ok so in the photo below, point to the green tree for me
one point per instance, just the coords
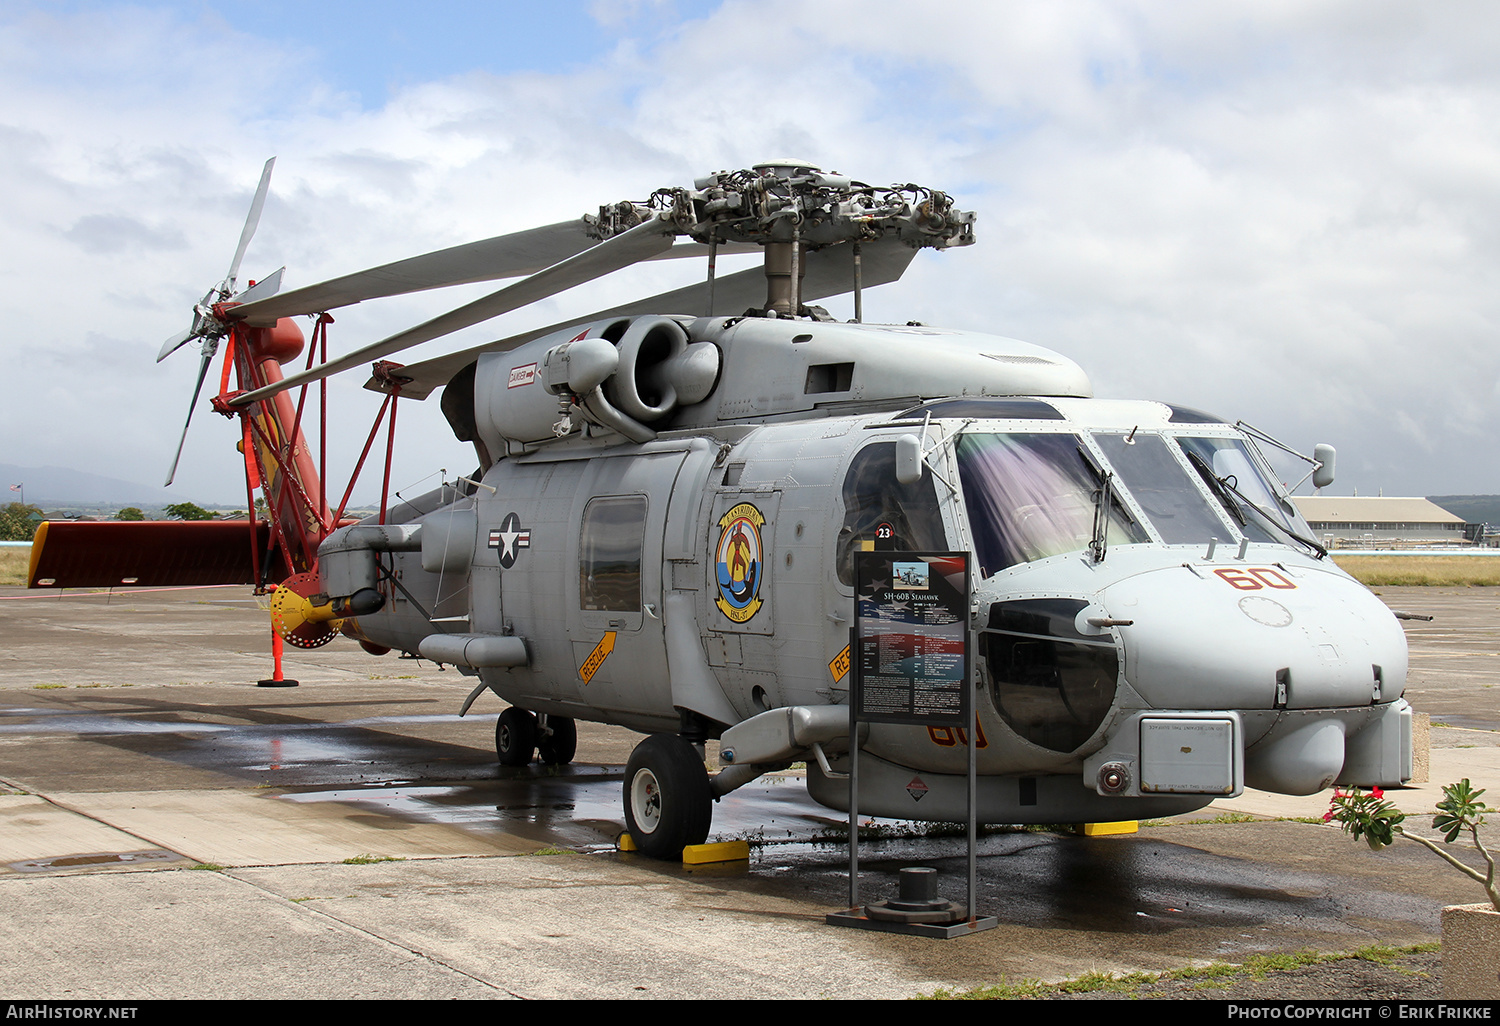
(130, 513)
(18, 521)
(188, 511)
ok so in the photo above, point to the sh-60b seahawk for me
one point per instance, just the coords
(669, 495)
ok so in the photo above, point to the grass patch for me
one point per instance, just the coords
(1219, 975)
(47, 687)
(13, 566)
(1228, 817)
(552, 851)
(212, 867)
(370, 860)
(996, 992)
(1255, 967)
(1405, 571)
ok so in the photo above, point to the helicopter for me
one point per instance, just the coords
(670, 496)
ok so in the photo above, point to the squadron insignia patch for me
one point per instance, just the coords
(739, 562)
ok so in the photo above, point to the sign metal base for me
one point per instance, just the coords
(855, 918)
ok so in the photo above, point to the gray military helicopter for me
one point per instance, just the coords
(661, 530)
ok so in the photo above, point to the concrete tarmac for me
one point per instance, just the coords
(169, 830)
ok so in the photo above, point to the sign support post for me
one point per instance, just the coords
(909, 650)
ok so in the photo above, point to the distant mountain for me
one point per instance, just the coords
(1475, 509)
(58, 486)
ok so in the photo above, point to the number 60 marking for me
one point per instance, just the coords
(1255, 578)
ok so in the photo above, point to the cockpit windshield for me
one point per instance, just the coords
(1162, 487)
(1030, 496)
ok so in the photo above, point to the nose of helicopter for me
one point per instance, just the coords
(1255, 637)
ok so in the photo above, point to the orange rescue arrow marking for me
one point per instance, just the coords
(840, 665)
(597, 656)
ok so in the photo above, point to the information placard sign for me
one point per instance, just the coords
(911, 637)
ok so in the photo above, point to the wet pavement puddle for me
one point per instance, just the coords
(1135, 884)
(581, 805)
(94, 860)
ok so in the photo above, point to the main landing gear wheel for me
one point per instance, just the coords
(557, 741)
(668, 800)
(515, 737)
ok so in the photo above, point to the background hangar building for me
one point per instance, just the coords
(1367, 521)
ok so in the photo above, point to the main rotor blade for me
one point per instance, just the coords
(253, 220)
(208, 355)
(830, 272)
(639, 243)
(504, 256)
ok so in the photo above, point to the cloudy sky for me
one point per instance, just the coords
(1286, 212)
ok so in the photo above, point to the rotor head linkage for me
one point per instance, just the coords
(784, 203)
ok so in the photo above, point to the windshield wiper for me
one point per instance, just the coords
(1220, 486)
(1099, 544)
(1216, 486)
(1104, 499)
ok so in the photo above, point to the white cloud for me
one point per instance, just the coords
(1283, 211)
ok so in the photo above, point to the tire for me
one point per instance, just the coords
(668, 801)
(515, 737)
(558, 748)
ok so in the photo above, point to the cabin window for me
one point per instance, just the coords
(609, 554)
(1030, 496)
(882, 513)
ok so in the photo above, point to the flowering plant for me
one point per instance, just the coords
(1369, 815)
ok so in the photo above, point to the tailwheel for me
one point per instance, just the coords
(557, 740)
(298, 620)
(515, 737)
(668, 800)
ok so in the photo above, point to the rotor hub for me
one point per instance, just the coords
(299, 620)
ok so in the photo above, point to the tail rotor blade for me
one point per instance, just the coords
(173, 344)
(263, 289)
(253, 220)
(208, 355)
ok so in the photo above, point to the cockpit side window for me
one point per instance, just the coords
(1228, 460)
(882, 513)
(1030, 496)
